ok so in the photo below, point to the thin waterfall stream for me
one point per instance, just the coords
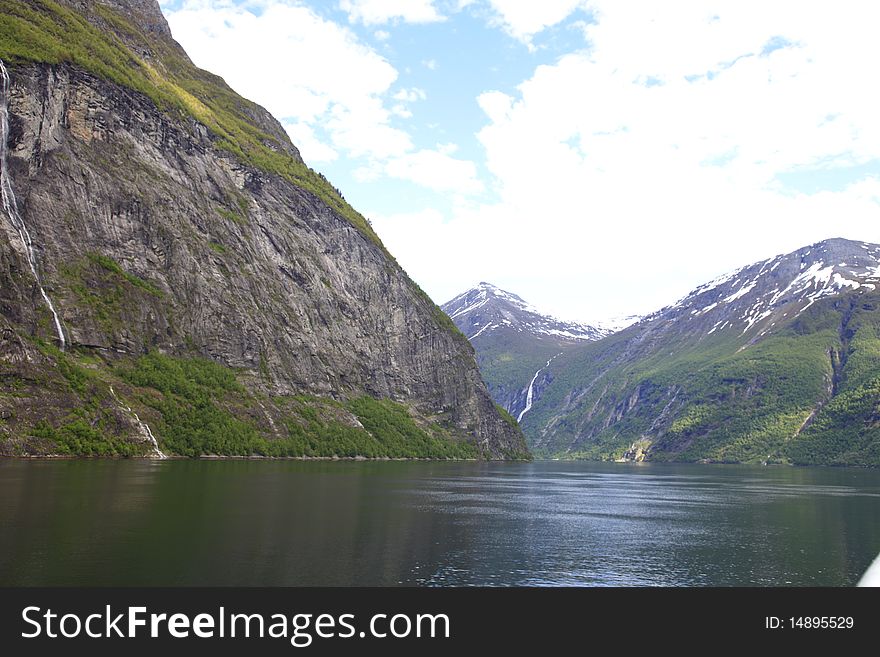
(10, 205)
(530, 395)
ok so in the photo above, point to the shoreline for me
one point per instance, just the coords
(216, 457)
(237, 457)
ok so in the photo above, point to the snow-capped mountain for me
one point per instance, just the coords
(753, 299)
(515, 342)
(485, 309)
(778, 361)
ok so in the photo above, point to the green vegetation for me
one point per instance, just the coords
(398, 435)
(847, 429)
(107, 293)
(197, 407)
(78, 379)
(110, 265)
(510, 358)
(507, 417)
(194, 419)
(203, 409)
(231, 215)
(721, 399)
(79, 438)
(45, 31)
(87, 430)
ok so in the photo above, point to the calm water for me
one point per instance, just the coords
(344, 523)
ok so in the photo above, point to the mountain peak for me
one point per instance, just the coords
(766, 293)
(486, 308)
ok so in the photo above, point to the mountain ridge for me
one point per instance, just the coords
(508, 309)
(756, 365)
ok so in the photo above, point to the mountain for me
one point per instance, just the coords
(778, 361)
(175, 280)
(515, 342)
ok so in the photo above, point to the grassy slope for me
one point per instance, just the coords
(727, 403)
(847, 430)
(195, 406)
(509, 359)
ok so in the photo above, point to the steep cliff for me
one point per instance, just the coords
(211, 289)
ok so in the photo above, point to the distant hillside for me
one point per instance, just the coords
(778, 361)
(515, 342)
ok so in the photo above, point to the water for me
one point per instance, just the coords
(422, 523)
(144, 428)
(10, 205)
(531, 388)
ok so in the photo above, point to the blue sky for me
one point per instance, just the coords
(597, 158)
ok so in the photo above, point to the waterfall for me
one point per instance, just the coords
(144, 427)
(10, 206)
(531, 392)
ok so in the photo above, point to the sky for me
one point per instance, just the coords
(599, 158)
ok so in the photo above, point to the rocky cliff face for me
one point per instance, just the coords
(156, 232)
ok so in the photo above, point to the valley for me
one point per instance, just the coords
(775, 362)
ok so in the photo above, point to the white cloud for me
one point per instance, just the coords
(307, 71)
(363, 130)
(377, 12)
(522, 20)
(448, 148)
(630, 173)
(343, 92)
(405, 96)
(410, 95)
(312, 149)
(436, 170)
(625, 174)
(369, 173)
(382, 35)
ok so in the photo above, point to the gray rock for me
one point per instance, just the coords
(238, 265)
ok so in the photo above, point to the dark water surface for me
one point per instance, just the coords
(389, 523)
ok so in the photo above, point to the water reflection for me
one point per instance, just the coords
(345, 523)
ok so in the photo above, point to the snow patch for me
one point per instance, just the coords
(840, 282)
(703, 311)
(741, 292)
(487, 326)
(757, 318)
(467, 309)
